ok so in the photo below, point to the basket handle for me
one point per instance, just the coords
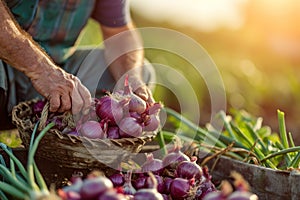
(44, 116)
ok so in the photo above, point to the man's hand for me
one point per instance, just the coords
(64, 91)
(125, 55)
(140, 88)
(145, 93)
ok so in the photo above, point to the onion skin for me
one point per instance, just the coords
(113, 132)
(118, 179)
(71, 195)
(112, 195)
(189, 170)
(217, 195)
(147, 194)
(159, 186)
(171, 160)
(154, 109)
(152, 124)
(137, 104)
(167, 185)
(109, 109)
(180, 189)
(204, 189)
(242, 195)
(129, 127)
(37, 107)
(140, 182)
(165, 196)
(92, 130)
(74, 132)
(136, 115)
(152, 165)
(128, 189)
(93, 187)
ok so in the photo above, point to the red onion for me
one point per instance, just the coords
(167, 184)
(180, 188)
(69, 195)
(136, 115)
(242, 195)
(154, 109)
(58, 123)
(109, 109)
(92, 130)
(216, 195)
(74, 132)
(136, 104)
(113, 132)
(171, 160)
(152, 165)
(165, 196)
(206, 174)
(128, 189)
(112, 195)
(93, 187)
(117, 179)
(37, 107)
(140, 182)
(152, 123)
(129, 127)
(149, 194)
(189, 170)
(204, 189)
(159, 183)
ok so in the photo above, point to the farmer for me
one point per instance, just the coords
(39, 57)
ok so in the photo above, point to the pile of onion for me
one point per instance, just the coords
(155, 181)
(120, 114)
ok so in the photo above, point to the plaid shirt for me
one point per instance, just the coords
(56, 24)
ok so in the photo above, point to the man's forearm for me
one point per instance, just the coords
(124, 52)
(17, 48)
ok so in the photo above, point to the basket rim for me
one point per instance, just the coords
(147, 135)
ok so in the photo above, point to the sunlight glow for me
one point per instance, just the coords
(207, 15)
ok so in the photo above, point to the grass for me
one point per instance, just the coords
(11, 138)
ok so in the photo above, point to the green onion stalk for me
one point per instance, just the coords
(28, 183)
(244, 135)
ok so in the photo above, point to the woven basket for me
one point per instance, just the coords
(75, 151)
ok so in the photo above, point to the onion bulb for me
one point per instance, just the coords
(129, 127)
(94, 187)
(189, 170)
(109, 109)
(92, 130)
(152, 123)
(152, 165)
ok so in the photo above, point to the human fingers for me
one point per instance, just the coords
(145, 93)
(81, 97)
(65, 103)
(86, 97)
(77, 101)
(54, 100)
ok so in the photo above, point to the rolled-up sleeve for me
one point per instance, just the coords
(113, 13)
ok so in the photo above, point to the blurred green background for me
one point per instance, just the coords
(254, 43)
